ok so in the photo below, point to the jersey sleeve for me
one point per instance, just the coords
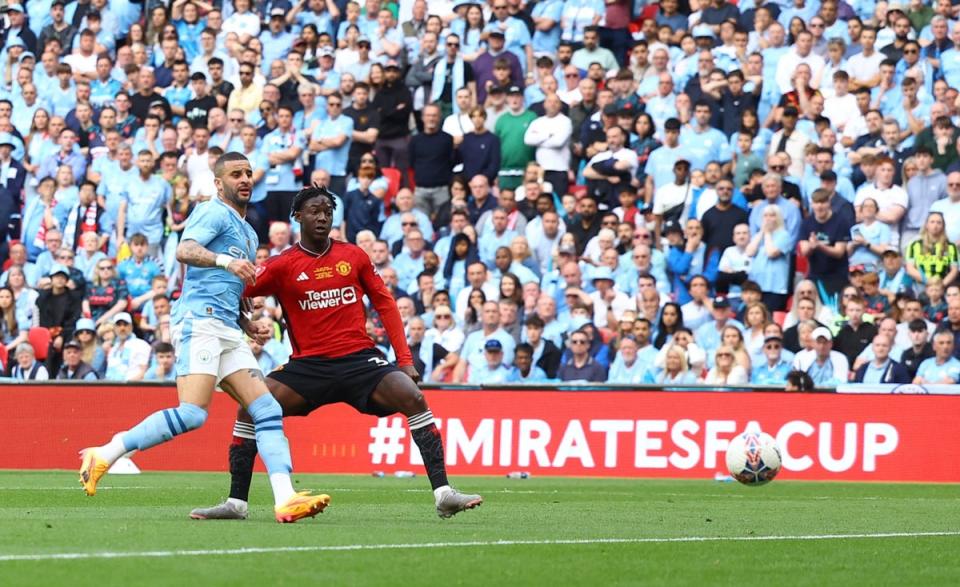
(268, 275)
(386, 306)
(203, 225)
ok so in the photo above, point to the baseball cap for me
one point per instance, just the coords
(567, 250)
(7, 139)
(26, 55)
(16, 42)
(392, 65)
(857, 269)
(703, 30)
(72, 344)
(602, 272)
(326, 52)
(772, 339)
(496, 33)
(493, 345)
(887, 253)
(721, 302)
(85, 324)
(16, 8)
(157, 103)
(514, 90)
(277, 12)
(822, 332)
(58, 268)
(122, 317)
(610, 110)
(672, 226)
(363, 39)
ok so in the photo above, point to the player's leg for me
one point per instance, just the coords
(396, 392)
(248, 387)
(243, 454)
(194, 392)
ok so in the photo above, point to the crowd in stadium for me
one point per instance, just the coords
(558, 190)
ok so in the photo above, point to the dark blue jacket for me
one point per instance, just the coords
(894, 373)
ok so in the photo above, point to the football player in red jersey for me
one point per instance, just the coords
(320, 284)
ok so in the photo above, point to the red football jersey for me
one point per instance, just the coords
(322, 301)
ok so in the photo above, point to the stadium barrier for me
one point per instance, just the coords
(599, 432)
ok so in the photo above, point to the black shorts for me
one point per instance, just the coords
(350, 379)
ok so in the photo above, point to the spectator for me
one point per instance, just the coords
(474, 347)
(73, 366)
(855, 335)
(932, 254)
(882, 369)
(492, 370)
(725, 371)
(581, 367)
(128, 357)
(394, 103)
(774, 369)
(770, 250)
(432, 158)
(524, 371)
(823, 241)
(676, 370)
(943, 367)
(511, 128)
(825, 366)
(480, 149)
(919, 350)
(27, 367)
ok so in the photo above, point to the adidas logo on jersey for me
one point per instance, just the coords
(302, 276)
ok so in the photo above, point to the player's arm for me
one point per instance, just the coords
(386, 306)
(256, 330)
(201, 229)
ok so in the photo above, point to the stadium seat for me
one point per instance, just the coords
(393, 176)
(4, 355)
(779, 318)
(39, 338)
(803, 264)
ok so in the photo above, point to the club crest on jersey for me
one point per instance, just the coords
(323, 273)
(343, 268)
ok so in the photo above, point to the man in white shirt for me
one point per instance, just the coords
(608, 303)
(670, 196)
(950, 207)
(864, 67)
(550, 134)
(841, 107)
(459, 123)
(129, 356)
(801, 53)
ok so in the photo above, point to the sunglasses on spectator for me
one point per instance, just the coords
(443, 316)
(105, 267)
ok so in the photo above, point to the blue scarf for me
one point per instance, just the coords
(440, 74)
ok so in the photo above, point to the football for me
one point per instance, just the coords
(753, 458)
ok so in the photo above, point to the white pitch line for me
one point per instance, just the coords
(472, 544)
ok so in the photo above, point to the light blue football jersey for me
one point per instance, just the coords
(214, 292)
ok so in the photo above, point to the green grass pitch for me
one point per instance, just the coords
(541, 531)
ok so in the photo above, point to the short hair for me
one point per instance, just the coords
(222, 160)
(801, 380)
(309, 193)
(523, 347)
(138, 239)
(535, 321)
(162, 347)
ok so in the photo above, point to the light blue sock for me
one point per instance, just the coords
(161, 426)
(271, 443)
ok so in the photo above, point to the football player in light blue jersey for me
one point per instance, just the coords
(216, 246)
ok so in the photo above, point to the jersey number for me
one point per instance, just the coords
(378, 362)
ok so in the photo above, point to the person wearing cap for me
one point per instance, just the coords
(773, 370)
(276, 40)
(492, 370)
(511, 128)
(59, 310)
(486, 64)
(710, 334)
(827, 367)
(395, 103)
(473, 353)
(73, 367)
(609, 304)
(516, 34)
(18, 29)
(128, 356)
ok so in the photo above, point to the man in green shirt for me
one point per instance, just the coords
(514, 152)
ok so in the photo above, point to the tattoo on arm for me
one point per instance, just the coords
(193, 253)
(256, 374)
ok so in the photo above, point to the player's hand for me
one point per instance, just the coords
(243, 269)
(411, 372)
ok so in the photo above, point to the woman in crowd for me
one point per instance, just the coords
(675, 371)
(106, 294)
(13, 330)
(25, 296)
(463, 252)
(733, 338)
(756, 318)
(471, 319)
(92, 352)
(868, 238)
(671, 318)
(932, 253)
(725, 370)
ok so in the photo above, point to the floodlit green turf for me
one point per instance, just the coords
(46, 513)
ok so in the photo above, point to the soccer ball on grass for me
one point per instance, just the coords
(753, 458)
